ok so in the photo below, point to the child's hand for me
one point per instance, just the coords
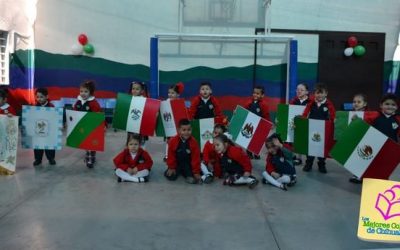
(135, 170)
(171, 172)
(275, 175)
(246, 174)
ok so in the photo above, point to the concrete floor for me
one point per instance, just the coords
(71, 207)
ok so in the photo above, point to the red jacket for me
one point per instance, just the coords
(93, 105)
(263, 107)
(219, 117)
(296, 101)
(211, 156)
(142, 160)
(7, 109)
(237, 154)
(173, 144)
(329, 104)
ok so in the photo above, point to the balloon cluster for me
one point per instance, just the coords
(83, 46)
(354, 47)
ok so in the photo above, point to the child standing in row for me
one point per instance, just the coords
(258, 106)
(42, 100)
(320, 108)
(279, 169)
(88, 103)
(138, 89)
(133, 163)
(388, 122)
(5, 108)
(235, 163)
(206, 106)
(183, 155)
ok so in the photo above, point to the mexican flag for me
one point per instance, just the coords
(85, 130)
(249, 130)
(344, 118)
(285, 117)
(313, 137)
(202, 130)
(366, 152)
(171, 112)
(136, 114)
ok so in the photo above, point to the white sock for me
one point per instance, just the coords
(243, 180)
(127, 177)
(271, 180)
(204, 169)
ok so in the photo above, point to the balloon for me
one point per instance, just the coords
(77, 49)
(88, 48)
(348, 51)
(352, 41)
(359, 50)
(82, 39)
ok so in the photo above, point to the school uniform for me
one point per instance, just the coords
(388, 125)
(320, 111)
(141, 160)
(298, 101)
(259, 108)
(210, 156)
(201, 108)
(6, 109)
(281, 163)
(50, 153)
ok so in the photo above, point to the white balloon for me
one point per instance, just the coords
(348, 51)
(77, 49)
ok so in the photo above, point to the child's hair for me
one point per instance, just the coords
(183, 122)
(134, 136)
(320, 87)
(305, 85)
(178, 88)
(390, 96)
(3, 93)
(142, 86)
(271, 139)
(205, 84)
(363, 96)
(220, 126)
(42, 91)
(224, 139)
(260, 88)
(90, 85)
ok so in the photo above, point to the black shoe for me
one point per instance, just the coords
(322, 169)
(355, 180)
(292, 182)
(165, 159)
(37, 162)
(283, 187)
(251, 156)
(307, 168)
(146, 179)
(253, 184)
(52, 162)
(297, 162)
(257, 157)
(264, 181)
(119, 179)
(89, 164)
(208, 179)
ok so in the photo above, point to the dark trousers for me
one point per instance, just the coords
(310, 161)
(50, 154)
(182, 169)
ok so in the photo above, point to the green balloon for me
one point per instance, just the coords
(88, 48)
(359, 50)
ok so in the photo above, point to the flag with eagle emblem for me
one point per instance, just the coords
(366, 152)
(202, 130)
(249, 130)
(85, 130)
(285, 120)
(344, 118)
(171, 112)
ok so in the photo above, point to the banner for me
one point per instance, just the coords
(8, 143)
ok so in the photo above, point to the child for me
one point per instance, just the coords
(210, 166)
(279, 167)
(183, 155)
(138, 89)
(258, 106)
(133, 163)
(42, 100)
(206, 106)
(388, 122)
(319, 108)
(87, 102)
(235, 163)
(359, 104)
(5, 108)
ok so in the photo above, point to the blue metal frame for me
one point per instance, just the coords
(153, 85)
(292, 69)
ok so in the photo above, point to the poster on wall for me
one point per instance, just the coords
(42, 127)
(8, 144)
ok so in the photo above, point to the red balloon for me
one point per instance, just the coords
(352, 41)
(82, 39)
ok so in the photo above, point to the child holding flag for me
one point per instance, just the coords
(87, 102)
(138, 89)
(388, 122)
(235, 163)
(42, 100)
(133, 163)
(301, 97)
(183, 155)
(279, 169)
(320, 108)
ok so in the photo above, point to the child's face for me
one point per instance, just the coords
(40, 98)
(219, 146)
(205, 91)
(136, 90)
(271, 148)
(358, 103)
(389, 107)
(133, 146)
(320, 95)
(257, 94)
(185, 131)
(217, 131)
(301, 91)
(84, 93)
(172, 94)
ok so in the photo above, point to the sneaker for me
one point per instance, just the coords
(355, 179)
(119, 179)
(253, 183)
(322, 169)
(264, 181)
(52, 162)
(307, 168)
(292, 182)
(146, 179)
(37, 162)
(191, 180)
(283, 187)
(89, 163)
(297, 162)
(208, 179)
